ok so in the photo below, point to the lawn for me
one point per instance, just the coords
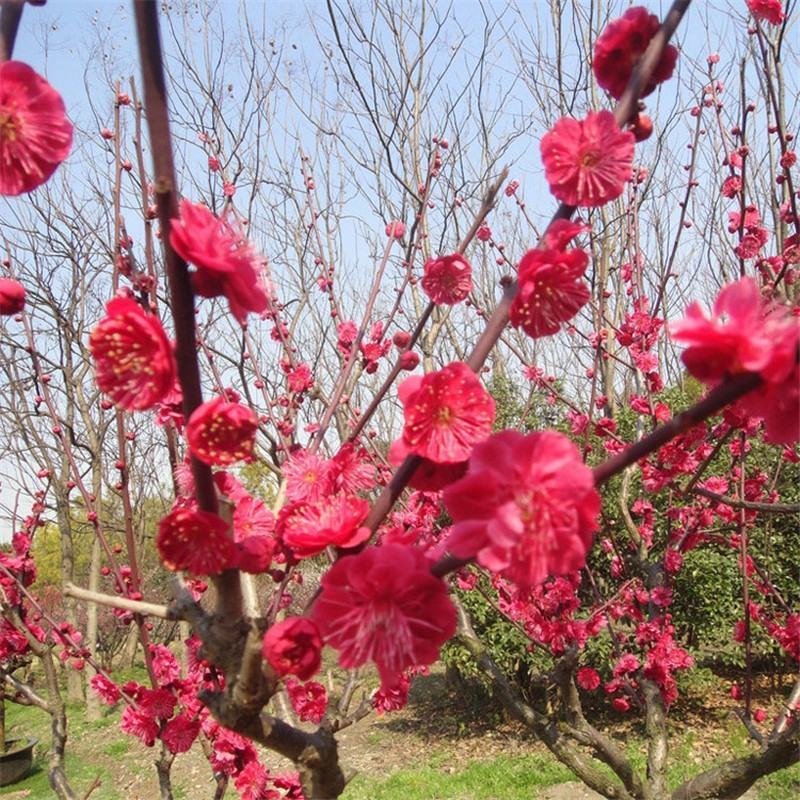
(435, 749)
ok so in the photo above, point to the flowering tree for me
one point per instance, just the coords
(346, 504)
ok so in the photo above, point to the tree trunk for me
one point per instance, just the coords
(58, 729)
(130, 647)
(93, 710)
(74, 678)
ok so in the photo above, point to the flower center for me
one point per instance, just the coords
(590, 158)
(9, 127)
(443, 415)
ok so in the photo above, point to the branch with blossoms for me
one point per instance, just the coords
(524, 506)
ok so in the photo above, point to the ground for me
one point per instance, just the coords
(443, 746)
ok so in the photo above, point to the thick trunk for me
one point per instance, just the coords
(58, 730)
(164, 768)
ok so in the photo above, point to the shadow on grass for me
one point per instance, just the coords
(437, 709)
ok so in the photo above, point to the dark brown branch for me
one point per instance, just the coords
(733, 502)
(314, 753)
(579, 729)
(540, 724)
(733, 778)
(719, 397)
(10, 16)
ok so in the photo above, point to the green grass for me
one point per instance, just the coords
(29, 721)
(503, 778)
(519, 777)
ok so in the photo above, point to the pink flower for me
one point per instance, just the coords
(12, 297)
(588, 678)
(527, 507)
(309, 700)
(293, 647)
(446, 414)
(299, 378)
(621, 45)
(179, 733)
(770, 11)
(139, 724)
(392, 698)
(395, 229)
(226, 263)
(550, 288)
(732, 340)
(350, 470)
(222, 433)
(308, 476)
(196, 541)
(133, 359)
(35, 134)
(743, 334)
(252, 782)
(105, 689)
(383, 605)
(447, 279)
(587, 162)
(308, 528)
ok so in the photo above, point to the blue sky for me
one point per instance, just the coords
(82, 46)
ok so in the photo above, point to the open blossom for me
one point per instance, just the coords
(621, 45)
(140, 724)
(226, 262)
(308, 528)
(383, 605)
(587, 162)
(307, 475)
(196, 541)
(550, 286)
(446, 414)
(12, 297)
(447, 280)
(293, 647)
(745, 334)
(735, 338)
(221, 433)
(309, 700)
(588, 678)
(35, 134)
(179, 733)
(133, 359)
(527, 507)
(770, 11)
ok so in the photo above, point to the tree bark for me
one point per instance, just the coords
(93, 709)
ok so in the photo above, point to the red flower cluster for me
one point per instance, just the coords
(309, 700)
(308, 528)
(221, 433)
(12, 297)
(621, 45)
(527, 507)
(35, 134)
(447, 280)
(745, 334)
(551, 289)
(770, 11)
(196, 541)
(587, 162)
(226, 263)
(293, 647)
(383, 605)
(446, 414)
(133, 359)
